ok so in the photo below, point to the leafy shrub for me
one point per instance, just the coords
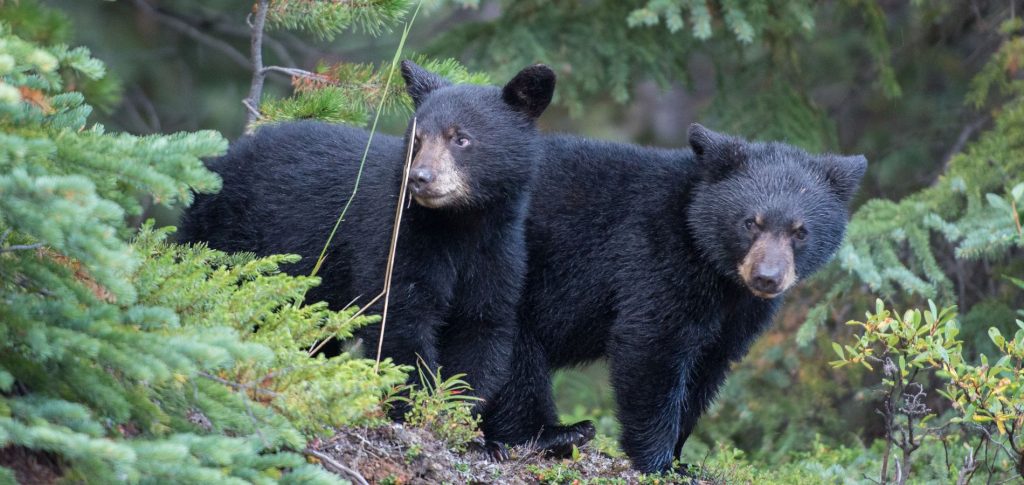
(986, 399)
(443, 406)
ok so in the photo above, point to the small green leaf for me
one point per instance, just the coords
(839, 350)
(997, 337)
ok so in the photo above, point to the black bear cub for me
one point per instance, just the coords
(461, 251)
(667, 262)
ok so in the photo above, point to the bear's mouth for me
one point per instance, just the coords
(761, 294)
(434, 201)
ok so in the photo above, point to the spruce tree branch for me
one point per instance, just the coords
(258, 76)
(336, 467)
(194, 33)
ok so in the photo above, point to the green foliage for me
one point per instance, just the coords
(44, 26)
(327, 18)
(351, 92)
(986, 399)
(562, 35)
(602, 49)
(146, 362)
(443, 406)
(974, 206)
(744, 21)
(208, 288)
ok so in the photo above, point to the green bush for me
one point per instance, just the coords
(146, 362)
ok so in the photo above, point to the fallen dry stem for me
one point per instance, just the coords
(402, 194)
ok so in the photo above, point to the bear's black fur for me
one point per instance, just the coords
(667, 262)
(461, 253)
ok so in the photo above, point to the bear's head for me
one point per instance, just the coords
(474, 144)
(768, 214)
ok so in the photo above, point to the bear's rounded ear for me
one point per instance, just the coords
(531, 90)
(420, 82)
(717, 154)
(844, 173)
(704, 141)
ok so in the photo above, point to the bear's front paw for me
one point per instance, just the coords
(496, 451)
(558, 441)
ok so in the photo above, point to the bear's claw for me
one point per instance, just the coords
(496, 451)
(558, 441)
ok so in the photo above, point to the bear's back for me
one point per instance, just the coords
(280, 182)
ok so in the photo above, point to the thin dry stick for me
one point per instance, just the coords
(336, 466)
(353, 317)
(1016, 216)
(402, 194)
(347, 305)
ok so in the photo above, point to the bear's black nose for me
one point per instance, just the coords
(421, 177)
(767, 279)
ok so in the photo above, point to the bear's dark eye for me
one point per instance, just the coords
(462, 142)
(750, 224)
(800, 234)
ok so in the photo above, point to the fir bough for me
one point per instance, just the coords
(328, 18)
(146, 362)
(974, 206)
(350, 92)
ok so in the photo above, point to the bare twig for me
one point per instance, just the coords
(336, 467)
(967, 469)
(237, 385)
(961, 140)
(194, 33)
(21, 247)
(353, 317)
(256, 422)
(258, 76)
(1016, 217)
(293, 72)
(402, 194)
(148, 108)
(315, 344)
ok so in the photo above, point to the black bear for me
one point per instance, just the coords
(667, 262)
(461, 254)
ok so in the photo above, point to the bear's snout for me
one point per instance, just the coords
(420, 178)
(768, 269)
(435, 180)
